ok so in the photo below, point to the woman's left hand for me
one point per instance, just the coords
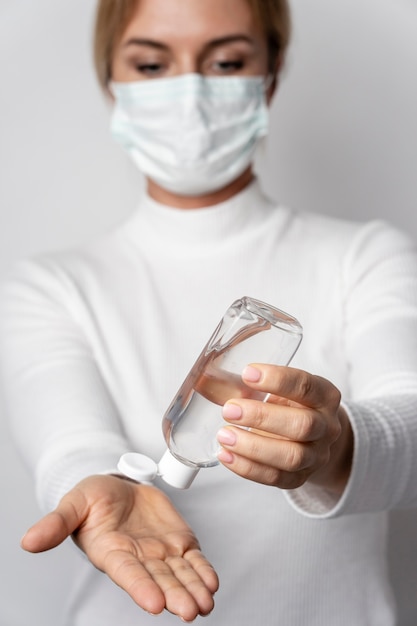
(300, 434)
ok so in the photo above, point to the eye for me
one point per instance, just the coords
(150, 69)
(227, 67)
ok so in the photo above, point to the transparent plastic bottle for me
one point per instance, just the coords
(249, 332)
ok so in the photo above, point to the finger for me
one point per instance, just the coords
(298, 424)
(184, 571)
(294, 384)
(282, 455)
(178, 599)
(128, 573)
(261, 473)
(55, 527)
(204, 569)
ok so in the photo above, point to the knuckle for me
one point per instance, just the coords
(267, 475)
(255, 447)
(336, 430)
(305, 427)
(334, 396)
(272, 477)
(261, 414)
(248, 467)
(305, 384)
(295, 460)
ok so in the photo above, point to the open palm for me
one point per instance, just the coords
(134, 534)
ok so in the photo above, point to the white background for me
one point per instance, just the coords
(343, 142)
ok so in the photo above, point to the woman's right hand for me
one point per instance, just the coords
(133, 533)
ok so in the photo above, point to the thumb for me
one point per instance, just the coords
(56, 526)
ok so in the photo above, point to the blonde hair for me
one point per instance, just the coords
(113, 17)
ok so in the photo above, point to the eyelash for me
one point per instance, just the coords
(153, 69)
(149, 68)
(229, 65)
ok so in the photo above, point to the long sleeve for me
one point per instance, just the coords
(380, 337)
(95, 342)
(62, 416)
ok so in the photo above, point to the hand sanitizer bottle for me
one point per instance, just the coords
(249, 332)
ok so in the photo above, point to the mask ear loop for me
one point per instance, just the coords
(268, 81)
(261, 149)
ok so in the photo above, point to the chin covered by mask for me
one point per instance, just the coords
(191, 134)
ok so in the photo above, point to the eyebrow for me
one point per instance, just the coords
(137, 41)
(214, 43)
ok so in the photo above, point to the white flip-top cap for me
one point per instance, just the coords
(175, 473)
(138, 467)
(143, 469)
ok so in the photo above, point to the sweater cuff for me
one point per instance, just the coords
(316, 502)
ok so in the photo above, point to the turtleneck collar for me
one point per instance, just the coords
(202, 226)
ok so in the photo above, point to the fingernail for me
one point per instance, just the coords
(226, 436)
(251, 374)
(232, 411)
(225, 456)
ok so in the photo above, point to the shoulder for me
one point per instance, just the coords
(73, 261)
(365, 256)
(58, 276)
(352, 240)
(350, 249)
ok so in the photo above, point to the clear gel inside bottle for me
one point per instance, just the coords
(250, 331)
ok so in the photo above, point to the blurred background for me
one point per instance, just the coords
(343, 142)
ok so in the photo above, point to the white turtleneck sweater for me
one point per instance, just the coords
(96, 341)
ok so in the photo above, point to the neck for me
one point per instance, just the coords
(163, 196)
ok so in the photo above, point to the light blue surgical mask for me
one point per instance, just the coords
(191, 134)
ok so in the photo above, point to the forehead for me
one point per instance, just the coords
(169, 20)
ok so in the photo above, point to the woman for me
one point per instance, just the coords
(95, 342)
